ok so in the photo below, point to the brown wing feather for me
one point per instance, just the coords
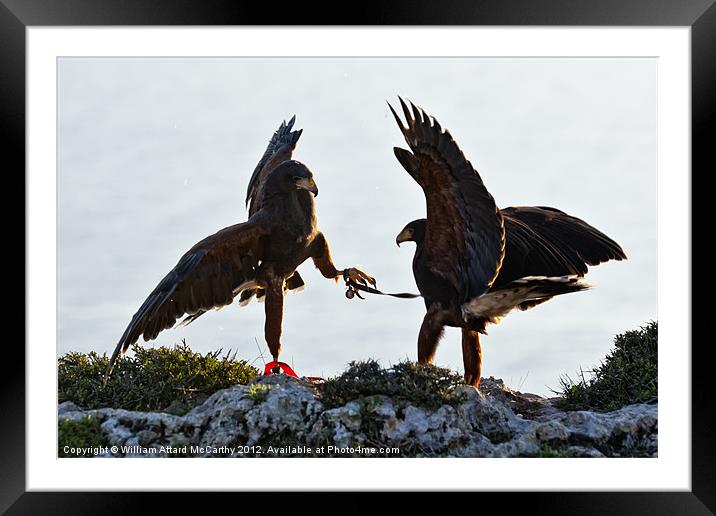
(204, 278)
(465, 235)
(280, 148)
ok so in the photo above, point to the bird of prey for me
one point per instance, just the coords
(261, 253)
(280, 148)
(474, 262)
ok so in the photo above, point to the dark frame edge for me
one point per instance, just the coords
(703, 113)
(702, 499)
(12, 121)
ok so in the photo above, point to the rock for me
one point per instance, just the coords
(282, 416)
(584, 451)
(488, 415)
(340, 426)
(65, 407)
(552, 432)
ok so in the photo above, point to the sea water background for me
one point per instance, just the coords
(155, 154)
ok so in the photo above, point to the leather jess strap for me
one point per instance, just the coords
(282, 366)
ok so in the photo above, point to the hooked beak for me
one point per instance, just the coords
(307, 183)
(403, 236)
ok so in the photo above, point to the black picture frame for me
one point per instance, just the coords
(700, 15)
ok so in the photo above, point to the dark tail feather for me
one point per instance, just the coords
(295, 282)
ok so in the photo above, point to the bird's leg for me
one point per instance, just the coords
(274, 316)
(431, 331)
(471, 356)
(321, 255)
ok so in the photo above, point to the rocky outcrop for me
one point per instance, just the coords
(281, 416)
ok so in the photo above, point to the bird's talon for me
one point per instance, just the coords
(358, 276)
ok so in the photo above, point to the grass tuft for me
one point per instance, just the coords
(153, 379)
(627, 375)
(425, 385)
(78, 435)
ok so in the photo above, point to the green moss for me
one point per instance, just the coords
(75, 435)
(424, 385)
(627, 375)
(549, 451)
(163, 379)
(258, 391)
(553, 452)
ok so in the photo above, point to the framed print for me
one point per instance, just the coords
(537, 143)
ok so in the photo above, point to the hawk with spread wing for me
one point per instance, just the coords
(474, 262)
(257, 257)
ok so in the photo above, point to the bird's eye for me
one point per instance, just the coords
(296, 178)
